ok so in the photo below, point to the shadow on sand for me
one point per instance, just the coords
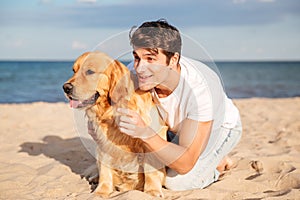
(70, 152)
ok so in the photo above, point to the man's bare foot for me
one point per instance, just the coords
(225, 165)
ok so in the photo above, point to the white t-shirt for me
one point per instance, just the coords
(200, 96)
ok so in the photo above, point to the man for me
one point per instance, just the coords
(204, 123)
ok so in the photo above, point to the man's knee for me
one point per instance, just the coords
(177, 182)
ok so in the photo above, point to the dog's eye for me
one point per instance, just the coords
(89, 72)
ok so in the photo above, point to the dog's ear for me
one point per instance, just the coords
(103, 84)
(121, 85)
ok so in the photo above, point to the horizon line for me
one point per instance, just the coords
(126, 60)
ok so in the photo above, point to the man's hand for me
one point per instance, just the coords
(131, 123)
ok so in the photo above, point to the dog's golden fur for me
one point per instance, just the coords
(100, 85)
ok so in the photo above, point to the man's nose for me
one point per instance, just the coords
(141, 66)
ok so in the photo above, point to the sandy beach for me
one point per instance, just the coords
(42, 155)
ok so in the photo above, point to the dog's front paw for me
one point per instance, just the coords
(91, 174)
(104, 190)
(155, 193)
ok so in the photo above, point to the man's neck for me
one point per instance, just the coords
(165, 89)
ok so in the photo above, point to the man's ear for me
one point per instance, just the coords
(174, 59)
(121, 85)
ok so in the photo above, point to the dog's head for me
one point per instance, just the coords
(97, 78)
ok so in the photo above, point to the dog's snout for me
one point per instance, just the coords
(68, 88)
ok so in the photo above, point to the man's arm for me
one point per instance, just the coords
(193, 138)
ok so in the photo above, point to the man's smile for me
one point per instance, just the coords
(144, 78)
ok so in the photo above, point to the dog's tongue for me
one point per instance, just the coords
(74, 104)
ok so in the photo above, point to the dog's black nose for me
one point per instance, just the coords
(68, 88)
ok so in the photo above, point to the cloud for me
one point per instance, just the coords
(77, 45)
(244, 1)
(267, 1)
(238, 1)
(259, 50)
(87, 1)
(17, 43)
(105, 2)
(45, 2)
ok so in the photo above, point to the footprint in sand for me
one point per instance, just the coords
(287, 179)
(258, 167)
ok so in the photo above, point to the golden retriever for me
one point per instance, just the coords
(100, 85)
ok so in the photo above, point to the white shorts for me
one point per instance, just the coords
(204, 172)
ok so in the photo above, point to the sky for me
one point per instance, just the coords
(225, 29)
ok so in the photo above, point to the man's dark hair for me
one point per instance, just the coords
(157, 34)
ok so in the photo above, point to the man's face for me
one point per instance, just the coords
(151, 68)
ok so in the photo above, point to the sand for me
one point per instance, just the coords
(42, 155)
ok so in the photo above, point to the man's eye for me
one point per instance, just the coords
(150, 59)
(89, 72)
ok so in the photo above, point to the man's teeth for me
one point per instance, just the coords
(143, 77)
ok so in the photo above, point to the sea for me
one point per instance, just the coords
(35, 81)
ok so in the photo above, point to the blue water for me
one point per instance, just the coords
(24, 82)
